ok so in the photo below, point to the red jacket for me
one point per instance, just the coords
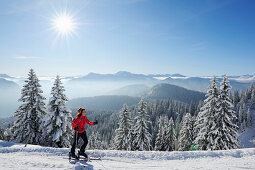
(81, 122)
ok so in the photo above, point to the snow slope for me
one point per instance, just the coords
(16, 156)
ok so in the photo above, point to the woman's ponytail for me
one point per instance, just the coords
(80, 110)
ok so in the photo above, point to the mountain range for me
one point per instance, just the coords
(121, 83)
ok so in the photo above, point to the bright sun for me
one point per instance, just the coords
(64, 25)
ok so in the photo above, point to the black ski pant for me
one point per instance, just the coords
(83, 135)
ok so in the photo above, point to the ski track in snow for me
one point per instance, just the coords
(16, 156)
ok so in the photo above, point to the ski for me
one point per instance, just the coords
(94, 158)
(76, 159)
(91, 158)
(84, 159)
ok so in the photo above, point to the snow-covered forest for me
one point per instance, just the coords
(161, 125)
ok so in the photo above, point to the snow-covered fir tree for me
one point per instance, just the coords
(236, 98)
(29, 115)
(253, 98)
(241, 117)
(244, 116)
(95, 141)
(249, 118)
(159, 143)
(223, 134)
(56, 126)
(123, 136)
(177, 132)
(165, 130)
(142, 136)
(170, 136)
(186, 134)
(245, 107)
(206, 117)
(130, 138)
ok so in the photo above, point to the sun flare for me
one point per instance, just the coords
(64, 24)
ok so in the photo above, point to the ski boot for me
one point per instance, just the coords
(83, 154)
(72, 155)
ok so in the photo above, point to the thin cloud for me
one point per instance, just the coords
(26, 57)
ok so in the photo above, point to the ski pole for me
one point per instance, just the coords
(28, 139)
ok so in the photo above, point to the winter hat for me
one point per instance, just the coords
(80, 111)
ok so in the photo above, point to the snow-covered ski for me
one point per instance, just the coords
(94, 158)
(78, 158)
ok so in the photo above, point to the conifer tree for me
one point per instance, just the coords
(165, 131)
(142, 136)
(236, 98)
(240, 115)
(205, 119)
(186, 134)
(253, 98)
(177, 132)
(170, 136)
(29, 115)
(123, 136)
(130, 138)
(249, 118)
(159, 143)
(223, 134)
(56, 126)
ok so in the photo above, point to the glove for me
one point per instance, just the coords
(76, 128)
(95, 122)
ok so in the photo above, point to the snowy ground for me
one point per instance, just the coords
(16, 156)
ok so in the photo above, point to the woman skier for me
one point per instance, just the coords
(78, 125)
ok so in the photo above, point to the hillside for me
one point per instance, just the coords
(169, 91)
(16, 156)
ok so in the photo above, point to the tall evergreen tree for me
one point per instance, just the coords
(177, 132)
(249, 118)
(142, 136)
(165, 131)
(130, 138)
(223, 134)
(29, 115)
(187, 133)
(123, 136)
(159, 143)
(205, 119)
(170, 136)
(56, 126)
(241, 114)
(244, 112)
(253, 98)
(236, 98)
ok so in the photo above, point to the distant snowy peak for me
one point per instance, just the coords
(119, 76)
(5, 76)
(177, 75)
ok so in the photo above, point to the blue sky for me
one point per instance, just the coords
(190, 37)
